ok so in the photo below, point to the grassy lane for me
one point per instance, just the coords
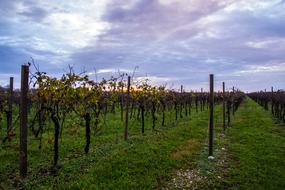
(249, 156)
(258, 148)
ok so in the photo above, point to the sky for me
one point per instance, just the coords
(172, 42)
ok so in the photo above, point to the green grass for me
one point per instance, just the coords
(258, 146)
(250, 155)
(142, 161)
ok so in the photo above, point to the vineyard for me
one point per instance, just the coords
(275, 101)
(53, 128)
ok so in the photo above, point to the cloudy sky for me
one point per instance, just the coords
(171, 41)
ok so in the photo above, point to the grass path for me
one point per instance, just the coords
(249, 156)
(258, 147)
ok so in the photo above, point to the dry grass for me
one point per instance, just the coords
(187, 149)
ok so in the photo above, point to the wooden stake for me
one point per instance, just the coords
(10, 107)
(224, 107)
(127, 108)
(233, 103)
(211, 114)
(272, 94)
(24, 120)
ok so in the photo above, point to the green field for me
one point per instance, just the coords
(249, 155)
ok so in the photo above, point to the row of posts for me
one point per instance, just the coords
(211, 113)
(24, 115)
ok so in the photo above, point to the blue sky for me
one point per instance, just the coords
(172, 42)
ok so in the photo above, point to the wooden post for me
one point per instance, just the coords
(229, 111)
(24, 120)
(127, 108)
(10, 107)
(202, 101)
(142, 114)
(272, 94)
(224, 107)
(211, 114)
(181, 104)
(233, 103)
(122, 104)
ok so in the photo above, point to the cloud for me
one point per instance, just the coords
(146, 33)
(47, 31)
(267, 43)
(36, 14)
(9, 55)
(180, 41)
(250, 69)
